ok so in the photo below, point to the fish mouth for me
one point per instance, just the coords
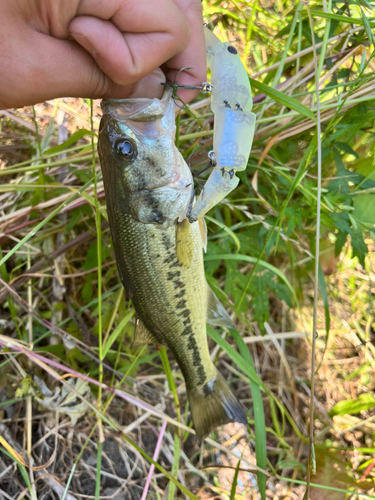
(179, 184)
(137, 108)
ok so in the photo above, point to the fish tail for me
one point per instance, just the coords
(214, 405)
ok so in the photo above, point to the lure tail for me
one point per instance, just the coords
(214, 405)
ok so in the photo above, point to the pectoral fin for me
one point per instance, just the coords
(203, 231)
(184, 243)
(216, 313)
(142, 336)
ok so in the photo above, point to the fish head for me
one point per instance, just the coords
(140, 161)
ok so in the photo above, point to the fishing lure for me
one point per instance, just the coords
(234, 126)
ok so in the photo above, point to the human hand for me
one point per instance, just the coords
(96, 49)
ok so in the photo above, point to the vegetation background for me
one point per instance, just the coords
(90, 413)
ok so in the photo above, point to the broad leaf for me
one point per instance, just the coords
(364, 205)
(351, 406)
(72, 139)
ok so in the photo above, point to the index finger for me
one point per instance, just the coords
(193, 55)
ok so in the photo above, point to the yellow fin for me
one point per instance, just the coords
(216, 313)
(203, 231)
(214, 405)
(143, 336)
(184, 243)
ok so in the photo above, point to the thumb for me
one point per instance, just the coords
(150, 86)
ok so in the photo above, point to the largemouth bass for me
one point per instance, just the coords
(148, 188)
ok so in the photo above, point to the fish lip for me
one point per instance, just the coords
(178, 182)
(130, 100)
(146, 108)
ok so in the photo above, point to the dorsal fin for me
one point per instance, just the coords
(216, 313)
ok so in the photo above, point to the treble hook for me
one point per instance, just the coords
(204, 87)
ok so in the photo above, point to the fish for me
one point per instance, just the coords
(148, 190)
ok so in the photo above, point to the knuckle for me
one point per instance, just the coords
(100, 84)
(132, 74)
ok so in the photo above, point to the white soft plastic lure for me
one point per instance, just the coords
(234, 125)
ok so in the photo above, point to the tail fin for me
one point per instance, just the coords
(214, 405)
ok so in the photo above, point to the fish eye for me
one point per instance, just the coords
(125, 149)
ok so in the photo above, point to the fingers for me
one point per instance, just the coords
(194, 54)
(118, 42)
(129, 39)
(35, 67)
(42, 68)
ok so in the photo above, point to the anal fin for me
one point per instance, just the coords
(216, 313)
(142, 335)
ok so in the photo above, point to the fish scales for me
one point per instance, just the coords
(159, 254)
(173, 312)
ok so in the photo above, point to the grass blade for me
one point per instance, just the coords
(234, 484)
(98, 470)
(21, 467)
(72, 139)
(237, 358)
(283, 99)
(324, 295)
(227, 230)
(341, 19)
(248, 258)
(44, 221)
(116, 332)
(260, 423)
(175, 466)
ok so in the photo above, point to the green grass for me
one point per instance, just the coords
(259, 260)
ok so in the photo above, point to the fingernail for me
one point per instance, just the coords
(75, 35)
